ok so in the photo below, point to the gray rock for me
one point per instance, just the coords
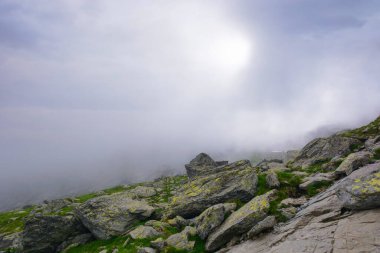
(158, 244)
(293, 202)
(353, 162)
(240, 221)
(322, 149)
(180, 241)
(144, 232)
(146, 250)
(178, 222)
(317, 178)
(288, 212)
(51, 206)
(160, 226)
(272, 180)
(206, 191)
(264, 225)
(112, 215)
(11, 241)
(74, 242)
(211, 218)
(201, 162)
(144, 191)
(45, 233)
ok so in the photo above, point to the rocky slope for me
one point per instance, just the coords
(324, 198)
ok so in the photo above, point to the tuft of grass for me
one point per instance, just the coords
(262, 187)
(289, 179)
(85, 197)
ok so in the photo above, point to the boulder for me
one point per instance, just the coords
(144, 232)
(178, 222)
(264, 225)
(272, 180)
(158, 244)
(288, 212)
(74, 242)
(211, 218)
(112, 215)
(180, 241)
(353, 162)
(160, 226)
(144, 191)
(44, 233)
(322, 149)
(362, 191)
(241, 221)
(203, 192)
(201, 162)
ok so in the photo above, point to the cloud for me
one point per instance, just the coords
(95, 93)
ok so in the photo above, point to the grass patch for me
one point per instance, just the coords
(289, 179)
(318, 187)
(316, 167)
(116, 189)
(376, 154)
(262, 187)
(12, 221)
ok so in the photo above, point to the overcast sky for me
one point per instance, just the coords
(96, 92)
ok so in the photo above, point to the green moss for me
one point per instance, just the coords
(12, 221)
(377, 154)
(317, 166)
(116, 189)
(85, 197)
(288, 179)
(316, 188)
(262, 187)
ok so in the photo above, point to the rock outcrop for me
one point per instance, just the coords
(111, 215)
(353, 162)
(233, 184)
(322, 149)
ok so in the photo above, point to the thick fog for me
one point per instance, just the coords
(98, 93)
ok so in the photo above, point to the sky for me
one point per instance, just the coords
(96, 93)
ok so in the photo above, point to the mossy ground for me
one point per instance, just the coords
(12, 221)
(372, 129)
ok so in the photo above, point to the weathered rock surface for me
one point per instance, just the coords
(322, 149)
(45, 233)
(144, 232)
(206, 191)
(202, 162)
(211, 218)
(74, 241)
(146, 250)
(317, 178)
(178, 222)
(293, 202)
(240, 221)
(158, 244)
(263, 225)
(353, 162)
(112, 215)
(10, 241)
(323, 226)
(272, 180)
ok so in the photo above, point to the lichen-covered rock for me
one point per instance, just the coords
(158, 244)
(178, 222)
(144, 232)
(263, 225)
(180, 241)
(211, 218)
(362, 192)
(272, 180)
(112, 215)
(288, 212)
(203, 192)
(44, 233)
(160, 226)
(202, 162)
(322, 149)
(144, 191)
(353, 162)
(240, 221)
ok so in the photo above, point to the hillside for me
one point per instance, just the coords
(326, 199)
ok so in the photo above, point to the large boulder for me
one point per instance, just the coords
(323, 149)
(44, 233)
(323, 223)
(241, 221)
(144, 232)
(180, 241)
(112, 215)
(203, 192)
(353, 162)
(212, 217)
(200, 163)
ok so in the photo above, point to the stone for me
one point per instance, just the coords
(272, 180)
(144, 191)
(51, 206)
(322, 149)
(160, 226)
(264, 225)
(74, 242)
(211, 218)
(112, 215)
(288, 212)
(293, 202)
(317, 178)
(158, 244)
(353, 162)
(241, 221)
(146, 250)
(44, 233)
(203, 192)
(178, 222)
(180, 241)
(144, 232)
(201, 162)
(10, 241)
(361, 191)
